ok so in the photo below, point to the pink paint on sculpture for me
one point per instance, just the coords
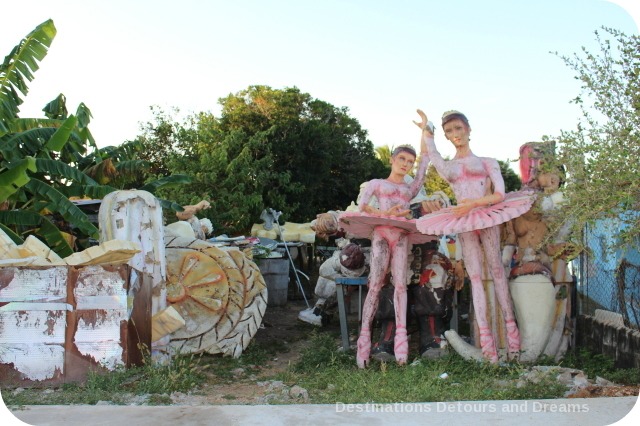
(361, 225)
(479, 187)
(445, 222)
(391, 239)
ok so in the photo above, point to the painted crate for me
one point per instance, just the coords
(58, 323)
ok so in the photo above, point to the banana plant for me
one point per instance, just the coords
(18, 67)
(16, 146)
(35, 185)
(28, 147)
(120, 167)
(46, 161)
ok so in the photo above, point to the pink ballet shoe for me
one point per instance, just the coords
(488, 346)
(364, 348)
(401, 345)
(513, 338)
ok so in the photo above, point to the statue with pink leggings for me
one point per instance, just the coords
(392, 234)
(479, 189)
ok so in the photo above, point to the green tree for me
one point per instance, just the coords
(159, 140)
(601, 154)
(434, 182)
(512, 181)
(272, 148)
(383, 153)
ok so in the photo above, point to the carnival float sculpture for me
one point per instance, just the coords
(536, 258)
(482, 205)
(392, 234)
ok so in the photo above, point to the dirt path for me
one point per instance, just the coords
(284, 335)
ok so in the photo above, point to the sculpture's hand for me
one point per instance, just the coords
(397, 211)
(436, 201)
(463, 207)
(423, 123)
(427, 130)
(430, 206)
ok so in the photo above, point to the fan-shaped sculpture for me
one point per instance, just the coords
(220, 294)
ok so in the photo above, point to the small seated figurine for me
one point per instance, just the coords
(350, 262)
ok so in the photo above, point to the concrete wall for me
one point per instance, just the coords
(609, 338)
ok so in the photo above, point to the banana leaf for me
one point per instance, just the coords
(58, 168)
(38, 225)
(15, 237)
(60, 204)
(23, 124)
(84, 116)
(18, 67)
(16, 177)
(170, 205)
(131, 167)
(165, 182)
(62, 134)
(29, 142)
(57, 108)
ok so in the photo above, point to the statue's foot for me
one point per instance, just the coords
(513, 339)
(488, 345)
(364, 348)
(401, 345)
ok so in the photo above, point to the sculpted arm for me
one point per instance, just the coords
(369, 191)
(330, 268)
(428, 145)
(427, 135)
(510, 242)
(493, 170)
(418, 182)
(436, 158)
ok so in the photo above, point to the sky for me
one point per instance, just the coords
(381, 59)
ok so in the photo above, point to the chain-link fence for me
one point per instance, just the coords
(608, 279)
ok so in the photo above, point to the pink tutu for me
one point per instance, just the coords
(443, 222)
(361, 225)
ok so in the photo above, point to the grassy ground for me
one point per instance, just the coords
(118, 386)
(329, 376)
(332, 376)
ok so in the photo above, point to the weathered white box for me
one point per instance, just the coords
(58, 323)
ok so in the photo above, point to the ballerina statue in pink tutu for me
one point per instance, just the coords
(482, 206)
(392, 234)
